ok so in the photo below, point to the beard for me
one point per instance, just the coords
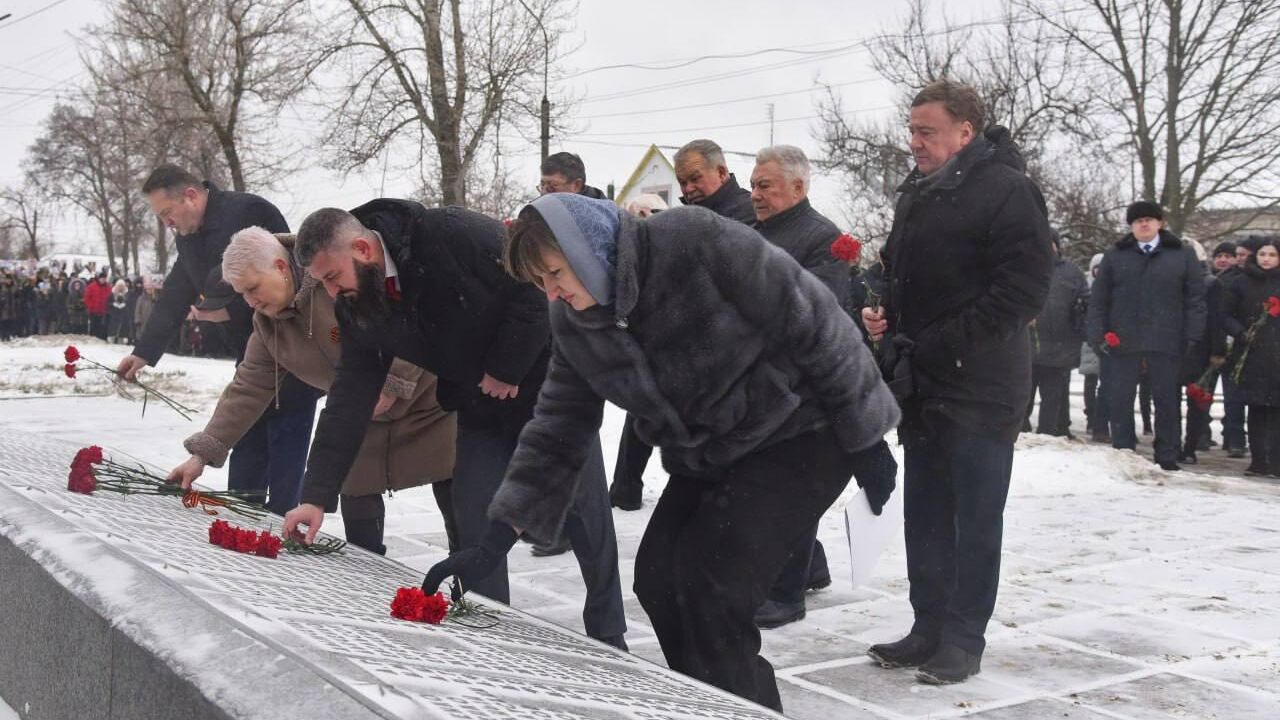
(369, 305)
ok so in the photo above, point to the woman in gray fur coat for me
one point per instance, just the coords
(736, 362)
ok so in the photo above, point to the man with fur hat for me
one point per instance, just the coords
(1147, 308)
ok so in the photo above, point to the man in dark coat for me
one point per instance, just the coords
(740, 366)
(1057, 335)
(784, 216)
(968, 262)
(204, 218)
(427, 286)
(706, 181)
(1147, 307)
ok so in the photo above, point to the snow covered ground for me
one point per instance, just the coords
(1127, 592)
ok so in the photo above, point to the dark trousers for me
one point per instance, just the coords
(1264, 439)
(808, 560)
(269, 460)
(364, 518)
(484, 449)
(955, 486)
(1233, 413)
(1144, 400)
(98, 327)
(1123, 372)
(1054, 386)
(1095, 404)
(713, 547)
(1197, 426)
(633, 456)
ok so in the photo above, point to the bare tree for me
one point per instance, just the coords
(439, 74)
(1189, 88)
(225, 65)
(21, 210)
(86, 156)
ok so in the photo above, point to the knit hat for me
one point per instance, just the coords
(587, 231)
(1224, 248)
(1143, 209)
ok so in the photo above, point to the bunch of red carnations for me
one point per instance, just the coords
(230, 537)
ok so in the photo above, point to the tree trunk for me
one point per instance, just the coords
(162, 247)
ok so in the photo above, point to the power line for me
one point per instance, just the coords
(723, 127)
(683, 62)
(33, 13)
(717, 103)
(711, 78)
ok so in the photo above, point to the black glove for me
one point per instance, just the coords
(876, 472)
(475, 563)
(896, 366)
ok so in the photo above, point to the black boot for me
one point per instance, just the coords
(948, 666)
(774, 614)
(910, 651)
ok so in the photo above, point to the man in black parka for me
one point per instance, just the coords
(204, 217)
(1149, 298)
(428, 286)
(968, 264)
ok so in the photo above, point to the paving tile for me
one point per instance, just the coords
(1164, 696)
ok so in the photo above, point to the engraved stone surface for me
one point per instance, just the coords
(321, 623)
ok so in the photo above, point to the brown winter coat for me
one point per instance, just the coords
(411, 444)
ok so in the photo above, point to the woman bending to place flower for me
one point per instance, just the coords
(738, 364)
(1251, 304)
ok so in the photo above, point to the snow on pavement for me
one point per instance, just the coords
(1127, 592)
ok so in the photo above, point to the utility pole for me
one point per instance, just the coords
(770, 106)
(546, 65)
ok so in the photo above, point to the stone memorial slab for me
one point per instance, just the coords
(115, 606)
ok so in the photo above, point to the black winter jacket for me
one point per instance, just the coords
(968, 263)
(731, 201)
(199, 253)
(1153, 303)
(806, 235)
(1059, 329)
(1243, 303)
(460, 316)
(718, 344)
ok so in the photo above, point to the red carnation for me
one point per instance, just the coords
(246, 540)
(228, 539)
(91, 455)
(268, 545)
(846, 248)
(69, 369)
(217, 531)
(408, 604)
(81, 480)
(1273, 306)
(1202, 398)
(1111, 339)
(434, 609)
(71, 354)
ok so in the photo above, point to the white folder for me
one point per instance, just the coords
(870, 534)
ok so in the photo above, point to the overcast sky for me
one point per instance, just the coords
(621, 111)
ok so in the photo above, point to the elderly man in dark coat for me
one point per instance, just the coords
(968, 262)
(426, 285)
(1147, 307)
(784, 216)
(740, 366)
(705, 180)
(1057, 335)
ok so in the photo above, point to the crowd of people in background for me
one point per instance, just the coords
(85, 300)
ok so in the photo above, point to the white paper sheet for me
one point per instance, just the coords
(870, 534)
